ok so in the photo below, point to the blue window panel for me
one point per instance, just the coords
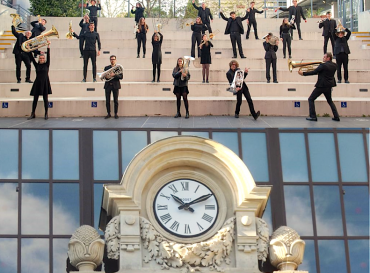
(66, 208)
(323, 157)
(352, 157)
(228, 139)
(158, 135)
(98, 195)
(9, 154)
(8, 255)
(35, 154)
(309, 259)
(60, 249)
(35, 255)
(267, 216)
(65, 155)
(35, 208)
(105, 151)
(132, 143)
(8, 208)
(328, 211)
(332, 256)
(359, 255)
(293, 157)
(298, 209)
(356, 204)
(200, 134)
(255, 155)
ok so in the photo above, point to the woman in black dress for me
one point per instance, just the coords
(181, 86)
(205, 57)
(157, 54)
(41, 86)
(285, 36)
(198, 29)
(142, 29)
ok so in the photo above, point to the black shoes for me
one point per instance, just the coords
(243, 57)
(336, 119)
(178, 115)
(268, 81)
(187, 115)
(346, 81)
(276, 82)
(143, 55)
(116, 116)
(81, 56)
(84, 80)
(207, 81)
(107, 116)
(46, 116)
(94, 80)
(339, 81)
(300, 39)
(234, 57)
(153, 81)
(31, 116)
(203, 81)
(257, 115)
(311, 119)
(158, 80)
(290, 56)
(138, 56)
(18, 81)
(29, 81)
(236, 116)
(257, 38)
(284, 57)
(247, 38)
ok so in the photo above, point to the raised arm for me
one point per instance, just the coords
(33, 23)
(223, 16)
(77, 36)
(348, 33)
(246, 15)
(47, 56)
(321, 25)
(161, 37)
(133, 11)
(259, 11)
(283, 9)
(81, 23)
(195, 6)
(99, 7)
(33, 60)
(15, 33)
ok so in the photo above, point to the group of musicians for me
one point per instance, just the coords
(89, 40)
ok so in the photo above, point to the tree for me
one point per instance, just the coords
(190, 11)
(113, 8)
(56, 8)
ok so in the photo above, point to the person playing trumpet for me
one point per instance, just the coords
(285, 36)
(270, 56)
(205, 57)
(328, 31)
(198, 30)
(93, 12)
(20, 55)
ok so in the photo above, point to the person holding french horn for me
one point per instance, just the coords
(271, 46)
(181, 76)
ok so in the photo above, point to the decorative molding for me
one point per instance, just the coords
(263, 239)
(246, 220)
(112, 238)
(247, 248)
(130, 247)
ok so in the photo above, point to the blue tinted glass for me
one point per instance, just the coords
(230, 140)
(132, 143)
(35, 154)
(309, 259)
(255, 155)
(323, 157)
(157, 135)
(328, 211)
(65, 154)
(35, 208)
(352, 157)
(60, 249)
(293, 157)
(66, 208)
(297, 204)
(332, 256)
(8, 255)
(98, 195)
(35, 255)
(359, 255)
(356, 204)
(9, 152)
(105, 155)
(8, 208)
(200, 134)
(267, 216)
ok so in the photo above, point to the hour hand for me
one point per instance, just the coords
(200, 199)
(177, 199)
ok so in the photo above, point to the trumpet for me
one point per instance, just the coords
(237, 82)
(69, 35)
(105, 76)
(189, 24)
(39, 41)
(322, 20)
(305, 67)
(17, 19)
(185, 67)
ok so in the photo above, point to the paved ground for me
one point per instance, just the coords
(192, 122)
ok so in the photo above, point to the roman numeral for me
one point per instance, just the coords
(210, 207)
(166, 218)
(162, 207)
(168, 197)
(207, 217)
(185, 186)
(175, 226)
(187, 229)
(173, 188)
(196, 189)
(200, 227)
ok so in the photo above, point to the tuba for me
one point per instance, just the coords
(305, 67)
(185, 68)
(17, 19)
(237, 82)
(69, 35)
(105, 76)
(39, 41)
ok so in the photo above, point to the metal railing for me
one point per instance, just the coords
(24, 13)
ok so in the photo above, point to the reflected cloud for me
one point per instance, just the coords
(332, 256)
(35, 255)
(60, 249)
(8, 208)
(8, 255)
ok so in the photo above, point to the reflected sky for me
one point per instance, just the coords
(60, 249)
(157, 135)
(98, 195)
(309, 259)
(200, 134)
(332, 257)
(267, 217)
(9, 151)
(8, 255)
(35, 255)
(132, 143)
(228, 139)
(8, 208)
(359, 255)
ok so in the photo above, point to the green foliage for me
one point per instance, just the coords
(326, 115)
(190, 11)
(60, 8)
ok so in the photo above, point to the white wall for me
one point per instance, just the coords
(364, 21)
(5, 19)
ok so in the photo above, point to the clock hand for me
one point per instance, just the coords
(177, 199)
(200, 199)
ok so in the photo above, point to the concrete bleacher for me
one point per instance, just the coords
(140, 97)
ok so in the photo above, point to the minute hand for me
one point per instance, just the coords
(177, 199)
(200, 199)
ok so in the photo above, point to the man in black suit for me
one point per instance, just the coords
(297, 11)
(270, 57)
(252, 20)
(235, 28)
(93, 12)
(112, 86)
(328, 32)
(205, 14)
(324, 85)
(341, 51)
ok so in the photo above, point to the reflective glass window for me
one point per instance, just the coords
(323, 157)
(356, 204)
(255, 155)
(297, 205)
(105, 152)
(35, 255)
(157, 135)
(359, 255)
(65, 155)
(267, 216)
(309, 259)
(352, 157)
(66, 208)
(9, 154)
(8, 255)
(332, 256)
(200, 134)
(8, 208)
(293, 157)
(35, 208)
(228, 139)
(60, 249)
(328, 211)
(98, 195)
(132, 143)
(35, 154)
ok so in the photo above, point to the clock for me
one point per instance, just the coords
(185, 208)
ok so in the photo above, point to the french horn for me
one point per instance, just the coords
(17, 19)
(69, 35)
(105, 76)
(185, 67)
(39, 41)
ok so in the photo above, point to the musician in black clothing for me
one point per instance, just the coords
(328, 32)
(205, 14)
(38, 28)
(142, 29)
(157, 39)
(297, 12)
(234, 66)
(205, 57)
(252, 20)
(285, 36)
(198, 30)
(20, 55)
(341, 51)
(180, 82)
(235, 28)
(270, 56)
(139, 12)
(112, 86)
(324, 85)
(90, 38)
(93, 12)
(84, 24)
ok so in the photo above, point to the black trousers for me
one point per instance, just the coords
(299, 30)
(247, 95)
(115, 92)
(254, 24)
(268, 65)
(158, 68)
(81, 46)
(287, 42)
(208, 25)
(141, 38)
(95, 20)
(19, 58)
(326, 40)
(92, 55)
(342, 59)
(236, 39)
(315, 94)
(195, 38)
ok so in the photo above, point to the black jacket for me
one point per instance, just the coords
(139, 12)
(37, 28)
(252, 14)
(93, 10)
(176, 74)
(157, 49)
(230, 76)
(115, 81)
(297, 11)
(20, 40)
(270, 50)
(326, 73)
(329, 27)
(342, 42)
(204, 14)
(238, 20)
(198, 28)
(285, 29)
(90, 39)
(84, 27)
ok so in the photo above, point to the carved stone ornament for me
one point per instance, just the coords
(190, 257)
(112, 238)
(86, 249)
(286, 249)
(263, 239)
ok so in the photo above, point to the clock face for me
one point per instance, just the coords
(185, 208)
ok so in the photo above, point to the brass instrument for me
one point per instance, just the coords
(273, 39)
(189, 24)
(105, 76)
(197, 63)
(322, 20)
(69, 35)
(17, 19)
(237, 82)
(159, 26)
(305, 67)
(340, 27)
(292, 20)
(39, 41)
(185, 65)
